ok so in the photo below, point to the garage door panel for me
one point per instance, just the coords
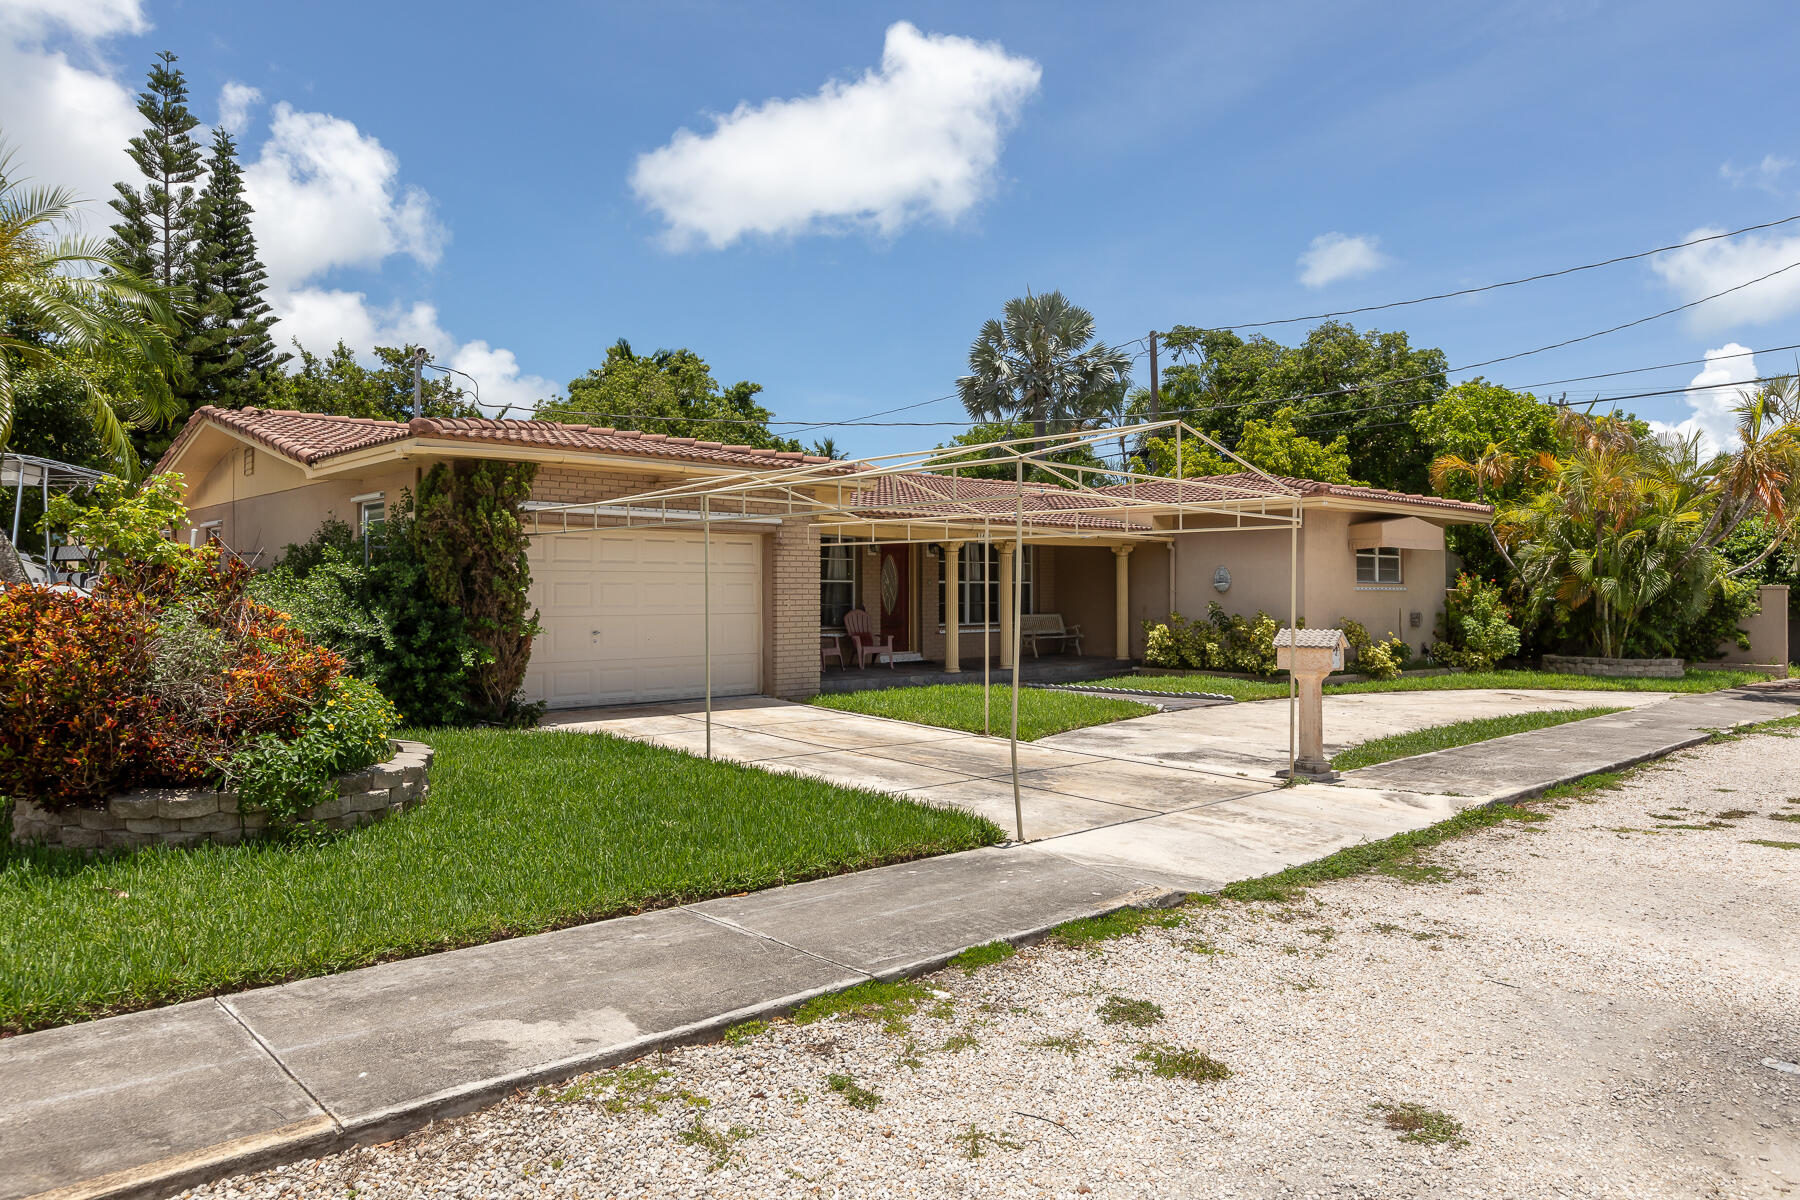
(641, 590)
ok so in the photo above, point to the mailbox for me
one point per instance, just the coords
(1309, 656)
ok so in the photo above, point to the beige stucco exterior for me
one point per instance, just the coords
(257, 500)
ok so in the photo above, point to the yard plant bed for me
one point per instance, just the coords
(525, 832)
(1258, 689)
(1459, 733)
(958, 706)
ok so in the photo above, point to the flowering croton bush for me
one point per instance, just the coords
(163, 676)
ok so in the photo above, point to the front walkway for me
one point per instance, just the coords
(146, 1103)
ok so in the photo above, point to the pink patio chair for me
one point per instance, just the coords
(830, 647)
(862, 637)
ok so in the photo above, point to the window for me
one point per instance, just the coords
(837, 582)
(369, 515)
(1379, 565)
(978, 584)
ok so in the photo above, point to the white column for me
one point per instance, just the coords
(952, 631)
(1006, 605)
(1122, 602)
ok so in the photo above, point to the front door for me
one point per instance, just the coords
(896, 595)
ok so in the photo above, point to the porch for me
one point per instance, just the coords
(1060, 668)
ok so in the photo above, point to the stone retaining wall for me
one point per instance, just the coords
(1615, 668)
(184, 816)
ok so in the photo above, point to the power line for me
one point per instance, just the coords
(1489, 287)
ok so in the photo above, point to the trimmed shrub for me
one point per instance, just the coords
(1476, 630)
(284, 778)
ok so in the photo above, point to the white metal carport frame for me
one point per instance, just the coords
(840, 497)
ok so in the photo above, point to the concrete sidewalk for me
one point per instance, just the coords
(146, 1103)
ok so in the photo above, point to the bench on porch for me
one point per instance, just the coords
(1035, 628)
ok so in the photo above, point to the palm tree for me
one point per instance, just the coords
(1036, 364)
(1490, 471)
(63, 297)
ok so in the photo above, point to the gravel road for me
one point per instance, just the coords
(1599, 1004)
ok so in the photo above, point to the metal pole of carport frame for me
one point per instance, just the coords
(706, 608)
(1293, 623)
(1016, 601)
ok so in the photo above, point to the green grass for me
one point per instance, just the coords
(1087, 931)
(889, 1003)
(523, 832)
(854, 1093)
(1458, 733)
(1124, 1010)
(1416, 1123)
(1261, 689)
(1397, 857)
(977, 957)
(958, 706)
(1176, 1062)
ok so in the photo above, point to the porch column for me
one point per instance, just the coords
(952, 631)
(1006, 605)
(1122, 602)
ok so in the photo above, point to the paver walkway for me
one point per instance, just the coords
(145, 1103)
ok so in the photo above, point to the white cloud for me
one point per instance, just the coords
(1337, 256)
(235, 102)
(1696, 271)
(318, 318)
(328, 195)
(1713, 394)
(1765, 174)
(918, 137)
(67, 120)
(85, 19)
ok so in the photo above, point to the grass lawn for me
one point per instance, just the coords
(1257, 689)
(522, 832)
(958, 706)
(1460, 733)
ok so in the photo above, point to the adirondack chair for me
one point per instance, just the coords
(862, 638)
(830, 647)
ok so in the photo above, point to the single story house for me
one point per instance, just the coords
(621, 607)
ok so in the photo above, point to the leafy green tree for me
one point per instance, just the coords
(50, 415)
(1339, 381)
(1275, 446)
(341, 385)
(230, 351)
(1038, 364)
(670, 391)
(983, 467)
(154, 236)
(1470, 418)
(64, 301)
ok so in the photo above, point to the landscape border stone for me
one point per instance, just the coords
(186, 816)
(1615, 668)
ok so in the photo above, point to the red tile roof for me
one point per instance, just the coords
(1238, 483)
(313, 437)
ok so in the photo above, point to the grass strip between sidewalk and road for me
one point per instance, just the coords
(522, 832)
(1271, 689)
(958, 706)
(1458, 733)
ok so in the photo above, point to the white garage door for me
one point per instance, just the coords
(621, 612)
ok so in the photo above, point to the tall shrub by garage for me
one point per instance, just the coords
(471, 546)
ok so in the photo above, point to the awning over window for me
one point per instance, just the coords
(1399, 533)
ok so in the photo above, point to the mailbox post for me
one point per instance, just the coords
(1309, 656)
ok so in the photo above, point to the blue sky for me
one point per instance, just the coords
(507, 183)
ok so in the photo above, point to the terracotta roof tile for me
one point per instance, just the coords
(1235, 485)
(314, 437)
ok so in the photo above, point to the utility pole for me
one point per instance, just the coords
(419, 357)
(1155, 390)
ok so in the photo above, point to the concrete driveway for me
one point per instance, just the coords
(1146, 780)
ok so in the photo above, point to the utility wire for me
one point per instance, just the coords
(1489, 287)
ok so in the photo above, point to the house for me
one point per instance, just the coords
(926, 555)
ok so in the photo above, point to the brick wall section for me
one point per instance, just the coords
(792, 561)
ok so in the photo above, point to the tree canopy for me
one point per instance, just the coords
(1275, 446)
(1361, 385)
(1039, 364)
(339, 384)
(670, 391)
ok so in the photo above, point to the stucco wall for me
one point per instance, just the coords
(268, 521)
(1768, 629)
(1326, 576)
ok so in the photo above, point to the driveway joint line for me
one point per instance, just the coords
(324, 1108)
(728, 923)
